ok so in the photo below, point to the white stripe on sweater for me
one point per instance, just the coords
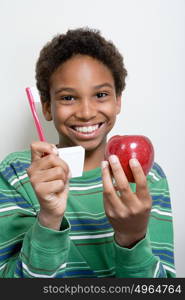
(154, 176)
(18, 179)
(169, 269)
(164, 213)
(85, 187)
(156, 269)
(71, 188)
(42, 275)
(93, 236)
(3, 266)
(16, 208)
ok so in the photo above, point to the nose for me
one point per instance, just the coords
(86, 110)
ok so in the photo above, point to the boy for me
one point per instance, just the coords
(56, 226)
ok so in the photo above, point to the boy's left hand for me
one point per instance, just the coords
(128, 212)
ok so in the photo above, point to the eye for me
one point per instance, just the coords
(67, 98)
(101, 95)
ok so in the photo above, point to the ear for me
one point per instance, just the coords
(118, 104)
(46, 109)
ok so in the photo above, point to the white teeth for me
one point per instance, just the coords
(87, 129)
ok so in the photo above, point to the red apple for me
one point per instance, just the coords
(131, 146)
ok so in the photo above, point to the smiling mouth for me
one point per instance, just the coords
(87, 129)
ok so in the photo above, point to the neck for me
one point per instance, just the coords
(94, 158)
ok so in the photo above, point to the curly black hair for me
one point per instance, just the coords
(82, 41)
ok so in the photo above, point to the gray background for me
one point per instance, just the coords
(150, 34)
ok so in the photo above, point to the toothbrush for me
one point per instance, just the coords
(33, 96)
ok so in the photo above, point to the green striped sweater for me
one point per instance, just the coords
(85, 245)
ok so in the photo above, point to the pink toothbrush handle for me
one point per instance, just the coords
(34, 113)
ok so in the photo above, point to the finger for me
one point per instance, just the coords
(106, 178)
(112, 202)
(122, 184)
(140, 178)
(108, 187)
(40, 148)
(47, 188)
(50, 175)
(50, 161)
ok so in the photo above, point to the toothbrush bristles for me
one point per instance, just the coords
(35, 94)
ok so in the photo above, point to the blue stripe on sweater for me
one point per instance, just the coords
(161, 254)
(13, 201)
(162, 201)
(165, 258)
(88, 221)
(161, 197)
(4, 257)
(18, 269)
(159, 170)
(77, 273)
(90, 227)
(20, 166)
(18, 201)
(10, 251)
(161, 272)
(13, 169)
(13, 248)
(167, 252)
(161, 204)
(8, 173)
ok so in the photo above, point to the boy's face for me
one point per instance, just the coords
(83, 102)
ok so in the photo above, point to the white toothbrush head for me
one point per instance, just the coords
(35, 94)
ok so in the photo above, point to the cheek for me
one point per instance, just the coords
(110, 110)
(59, 113)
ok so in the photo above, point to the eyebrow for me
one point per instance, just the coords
(65, 89)
(106, 84)
(96, 87)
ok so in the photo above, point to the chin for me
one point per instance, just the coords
(93, 146)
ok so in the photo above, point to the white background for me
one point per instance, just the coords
(151, 36)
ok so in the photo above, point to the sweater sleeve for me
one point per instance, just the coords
(154, 255)
(27, 249)
(138, 262)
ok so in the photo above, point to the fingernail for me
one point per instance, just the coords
(113, 159)
(134, 162)
(104, 164)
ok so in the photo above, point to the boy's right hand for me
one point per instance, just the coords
(49, 176)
